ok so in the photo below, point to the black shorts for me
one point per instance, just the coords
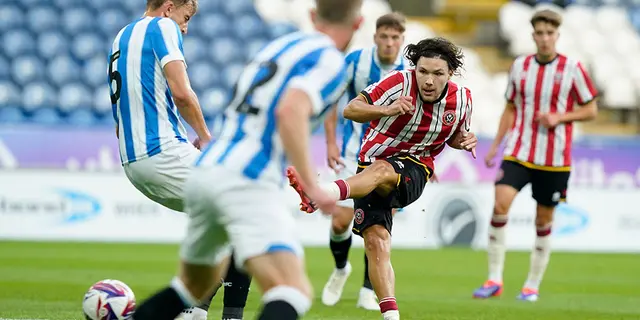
(548, 187)
(375, 209)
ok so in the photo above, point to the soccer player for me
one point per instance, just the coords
(546, 92)
(365, 67)
(234, 194)
(149, 87)
(412, 114)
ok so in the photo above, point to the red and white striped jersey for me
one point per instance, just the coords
(535, 88)
(422, 134)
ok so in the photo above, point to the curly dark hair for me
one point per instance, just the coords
(436, 48)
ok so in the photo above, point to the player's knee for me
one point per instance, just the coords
(544, 216)
(341, 222)
(377, 240)
(384, 174)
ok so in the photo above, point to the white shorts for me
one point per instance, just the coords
(229, 211)
(349, 170)
(161, 177)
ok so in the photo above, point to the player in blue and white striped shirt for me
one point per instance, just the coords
(366, 66)
(235, 193)
(149, 87)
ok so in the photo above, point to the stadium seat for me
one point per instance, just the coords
(9, 94)
(88, 45)
(110, 21)
(212, 25)
(195, 48)
(11, 114)
(42, 19)
(102, 101)
(11, 16)
(46, 116)
(63, 69)
(225, 50)
(94, 71)
(203, 75)
(214, 100)
(231, 74)
(5, 69)
(249, 26)
(26, 69)
(74, 96)
(17, 42)
(38, 95)
(52, 43)
(81, 118)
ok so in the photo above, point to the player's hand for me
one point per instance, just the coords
(548, 120)
(469, 142)
(200, 143)
(321, 200)
(403, 105)
(489, 158)
(333, 158)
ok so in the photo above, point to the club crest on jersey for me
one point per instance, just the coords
(449, 117)
(359, 216)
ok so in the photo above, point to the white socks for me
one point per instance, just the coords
(539, 258)
(496, 249)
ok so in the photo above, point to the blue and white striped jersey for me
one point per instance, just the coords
(364, 69)
(249, 142)
(142, 103)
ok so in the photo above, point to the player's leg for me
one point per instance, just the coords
(380, 177)
(549, 188)
(512, 177)
(236, 291)
(264, 238)
(340, 244)
(203, 254)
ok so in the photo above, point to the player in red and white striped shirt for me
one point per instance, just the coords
(546, 93)
(412, 115)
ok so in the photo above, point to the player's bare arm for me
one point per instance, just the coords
(360, 110)
(186, 100)
(293, 126)
(334, 160)
(463, 140)
(586, 112)
(506, 122)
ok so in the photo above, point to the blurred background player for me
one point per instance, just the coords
(235, 190)
(546, 93)
(412, 115)
(149, 90)
(365, 67)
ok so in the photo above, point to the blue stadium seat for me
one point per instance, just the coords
(81, 118)
(27, 69)
(238, 7)
(111, 21)
(88, 45)
(78, 20)
(51, 44)
(226, 50)
(17, 42)
(66, 4)
(136, 8)
(281, 28)
(10, 17)
(232, 73)
(63, 69)
(74, 96)
(5, 69)
(94, 71)
(38, 95)
(203, 75)
(9, 94)
(11, 114)
(41, 19)
(102, 101)
(212, 25)
(194, 48)
(214, 100)
(254, 46)
(46, 116)
(209, 6)
(248, 26)
(33, 3)
(634, 15)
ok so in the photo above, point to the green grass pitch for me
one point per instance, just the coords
(48, 280)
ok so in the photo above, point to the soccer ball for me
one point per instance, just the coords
(109, 300)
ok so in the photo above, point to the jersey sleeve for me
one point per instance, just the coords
(167, 41)
(510, 92)
(324, 82)
(582, 86)
(385, 91)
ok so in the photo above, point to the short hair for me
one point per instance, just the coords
(436, 48)
(394, 20)
(155, 4)
(547, 16)
(338, 11)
